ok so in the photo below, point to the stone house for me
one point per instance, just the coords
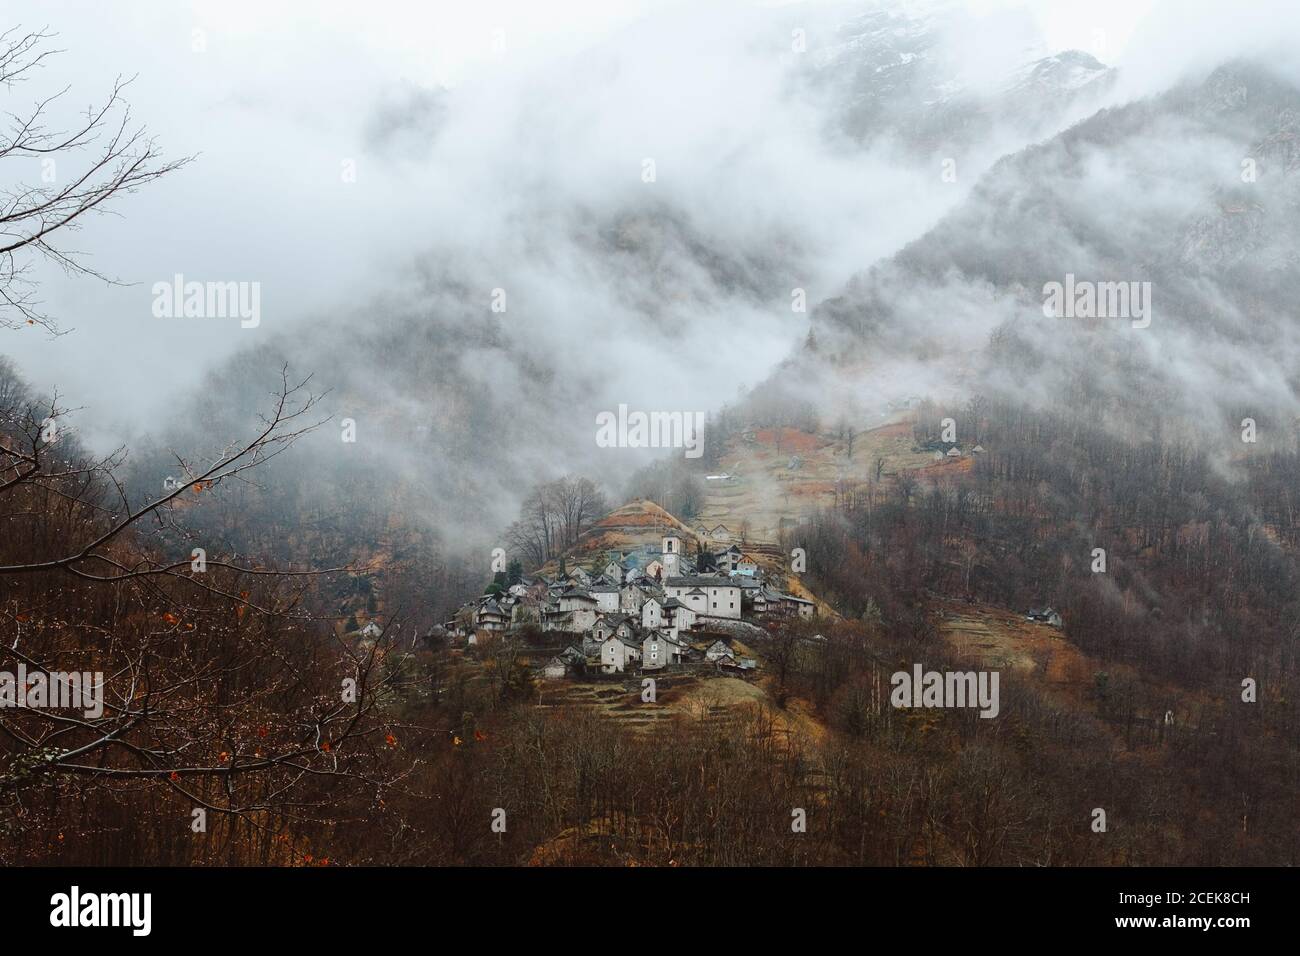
(659, 650)
(618, 653)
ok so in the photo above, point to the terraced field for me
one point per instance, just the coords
(766, 490)
(715, 701)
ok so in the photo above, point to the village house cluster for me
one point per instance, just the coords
(649, 608)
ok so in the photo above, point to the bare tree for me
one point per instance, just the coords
(218, 689)
(80, 169)
(554, 516)
(31, 463)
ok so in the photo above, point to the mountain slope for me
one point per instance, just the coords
(1218, 249)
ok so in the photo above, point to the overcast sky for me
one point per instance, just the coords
(272, 100)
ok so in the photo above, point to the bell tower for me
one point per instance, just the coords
(671, 557)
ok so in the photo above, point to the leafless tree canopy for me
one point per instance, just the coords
(553, 516)
(56, 177)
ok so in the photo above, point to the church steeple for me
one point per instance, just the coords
(671, 555)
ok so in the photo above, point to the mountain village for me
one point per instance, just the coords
(649, 609)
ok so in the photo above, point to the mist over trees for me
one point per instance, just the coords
(215, 689)
(674, 485)
(267, 578)
(553, 517)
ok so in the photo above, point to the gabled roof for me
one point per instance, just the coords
(699, 581)
(626, 641)
(678, 642)
(665, 638)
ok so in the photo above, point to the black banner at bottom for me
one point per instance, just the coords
(337, 905)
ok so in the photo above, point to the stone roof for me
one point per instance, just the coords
(699, 581)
